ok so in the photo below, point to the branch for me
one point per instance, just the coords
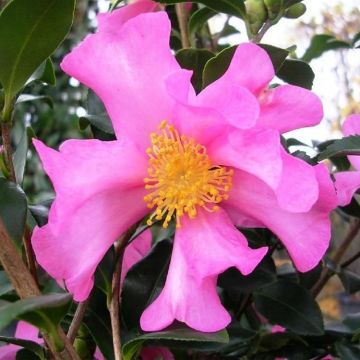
(6, 138)
(257, 38)
(182, 19)
(77, 320)
(327, 273)
(26, 287)
(351, 260)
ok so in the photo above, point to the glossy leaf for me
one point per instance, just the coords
(143, 283)
(296, 72)
(5, 285)
(291, 306)
(199, 18)
(29, 98)
(321, 43)
(28, 309)
(195, 60)
(131, 347)
(29, 33)
(26, 344)
(45, 73)
(13, 209)
(231, 7)
(277, 55)
(349, 145)
(346, 351)
(102, 122)
(350, 281)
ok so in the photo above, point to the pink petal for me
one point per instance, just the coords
(112, 22)
(203, 248)
(254, 151)
(298, 189)
(289, 107)
(346, 184)
(250, 67)
(127, 69)
(98, 355)
(24, 331)
(135, 251)
(306, 235)
(237, 104)
(156, 353)
(99, 195)
(351, 126)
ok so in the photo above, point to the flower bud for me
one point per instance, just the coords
(256, 14)
(273, 7)
(295, 11)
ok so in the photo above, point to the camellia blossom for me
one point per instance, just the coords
(208, 162)
(348, 182)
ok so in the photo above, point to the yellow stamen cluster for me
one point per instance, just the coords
(182, 177)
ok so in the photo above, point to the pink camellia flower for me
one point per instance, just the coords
(23, 331)
(348, 182)
(205, 161)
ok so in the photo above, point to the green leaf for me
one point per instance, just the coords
(37, 310)
(27, 344)
(195, 60)
(353, 209)
(45, 73)
(352, 321)
(233, 281)
(5, 285)
(30, 31)
(291, 306)
(296, 72)
(350, 281)
(321, 43)
(277, 55)
(13, 208)
(346, 351)
(29, 98)
(131, 347)
(144, 282)
(19, 157)
(101, 122)
(217, 66)
(198, 18)
(355, 40)
(349, 145)
(231, 7)
(310, 278)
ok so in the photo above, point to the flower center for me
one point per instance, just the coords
(182, 177)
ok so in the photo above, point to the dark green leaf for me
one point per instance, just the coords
(27, 344)
(310, 278)
(24, 354)
(143, 283)
(19, 157)
(296, 72)
(353, 209)
(195, 60)
(352, 321)
(132, 346)
(350, 281)
(291, 306)
(13, 209)
(101, 122)
(231, 7)
(277, 55)
(28, 98)
(29, 33)
(233, 281)
(346, 351)
(320, 44)
(349, 145)
(5, 285)
(198, 18)
(355, 40)
(45, 73)
(29, 309)
(217, 66)
(40, 213)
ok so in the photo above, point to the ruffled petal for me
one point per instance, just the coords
(255, 151)
(298, 189)
(346, 184)
(237, 104)
(135, 251)
(127, 69)
(306, 235)
(250, 67)
(99, 195)
(203, 248)
(351, 126)
(289, 107)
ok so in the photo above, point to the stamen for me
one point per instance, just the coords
(182, 177)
